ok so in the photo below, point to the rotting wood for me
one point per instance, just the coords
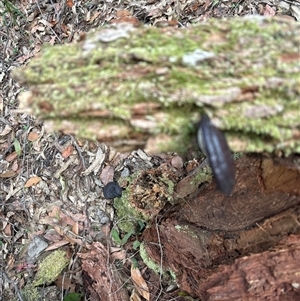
(100, 279)
(207, 234)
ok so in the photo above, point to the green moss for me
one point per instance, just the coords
(148, 261)
(128, 216)
(154, 266)
(31, 293)
(204, 175)
(140, 204)
(51, 267)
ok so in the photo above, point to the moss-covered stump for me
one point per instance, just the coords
(125, 85)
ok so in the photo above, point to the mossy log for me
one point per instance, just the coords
(126, 85)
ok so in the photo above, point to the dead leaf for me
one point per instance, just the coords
(6, 130)
(139, 283)
(64, 28)
(95, 16)
(58, 229)
(70, 3)
(74, 241)
(121, 255)
(107, 174)
(15, 166)
(66, 220)
(65, 283)
(11, 156)
(4, 221)
(67, 151)
(177, 162)
(10, 263)
(269, 11)
(57, 245)
(78, 217)
(122, 13)
(128, 19)
(33, 136)
(55, 212)
(52, 237)
(8, 174)
(134, 296)
(75, 228)
(7, 230)
(32, 181)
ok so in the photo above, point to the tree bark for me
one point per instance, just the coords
(242, 247)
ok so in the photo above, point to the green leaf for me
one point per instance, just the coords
(134, 263)
(17, 146)
(115, 236)
(136, 245)
(72, 297)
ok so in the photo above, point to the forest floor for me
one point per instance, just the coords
(51, 184)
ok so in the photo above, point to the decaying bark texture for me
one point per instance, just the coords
(272, 275)
(209, 241)
(100, 279)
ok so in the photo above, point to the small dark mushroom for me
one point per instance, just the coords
(213, 144)
(112, 190)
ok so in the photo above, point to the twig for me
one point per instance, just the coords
(18, 293)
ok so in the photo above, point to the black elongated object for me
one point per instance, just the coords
(213, 144)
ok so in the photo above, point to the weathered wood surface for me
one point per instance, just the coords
(146, 87)
(233, 248)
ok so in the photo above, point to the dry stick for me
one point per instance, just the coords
(161, 259)
(15, 286)
(108, 266)
(78, 151)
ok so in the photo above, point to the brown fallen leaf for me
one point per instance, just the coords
(121, 255)
(140, 283)
(269, 11)
(67, 151)
(57, 245)
(10, 157)
(107, 174)
(32, 181)
(33, 136)
(122, 13)
(8, 174)
(134, 296)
